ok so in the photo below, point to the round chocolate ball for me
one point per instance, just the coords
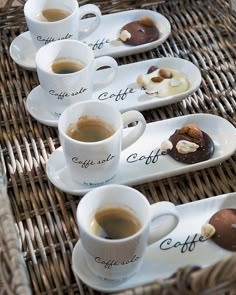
(224, 222)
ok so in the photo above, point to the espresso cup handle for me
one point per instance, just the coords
(135, 132)
(89, 9)
(106, 61)
(165, 225)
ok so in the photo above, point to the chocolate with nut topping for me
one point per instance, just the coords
(163, 82)
(224, 222)
(141, 32)
(194, 135)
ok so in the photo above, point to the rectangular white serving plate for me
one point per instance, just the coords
(103, 40)
(125, 94)
(183, 246)
(136, 167)
(139, 163)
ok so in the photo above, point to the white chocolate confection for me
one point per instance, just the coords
(178, 83)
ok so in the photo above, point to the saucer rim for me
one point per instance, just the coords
(29, 99)
(13, 56)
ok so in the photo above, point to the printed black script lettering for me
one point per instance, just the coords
(111, 262)
(61, 95)
(99, 44)
(152, 158)
(188, 245)
(87, 163)
(47, 40)
(121, 95)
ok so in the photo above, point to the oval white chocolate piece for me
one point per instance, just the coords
(186, 147)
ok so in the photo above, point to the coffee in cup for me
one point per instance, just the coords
(115, 223)
(66, 66)
(52, 15)
(88, 129)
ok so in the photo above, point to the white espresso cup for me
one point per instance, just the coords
(102, 210)
(95, 162)
(44, 32)
(63, 90)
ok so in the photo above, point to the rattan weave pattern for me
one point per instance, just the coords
(203, 32)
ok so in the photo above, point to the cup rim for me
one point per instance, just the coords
(27, 15)
(115, 241)
(54, 43)
(85, 142)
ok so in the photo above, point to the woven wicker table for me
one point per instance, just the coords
(38, 228)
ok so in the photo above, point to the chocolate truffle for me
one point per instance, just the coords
(198, 144)
(224, 222)
(139, 32)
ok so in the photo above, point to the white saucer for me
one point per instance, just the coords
(22, 51)
(124, 93)
(103, 40)
(36, 106)
(163, 258)
(138, 163)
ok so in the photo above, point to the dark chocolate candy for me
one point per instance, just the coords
(224, 222)
(201, 154)
(140, 33)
